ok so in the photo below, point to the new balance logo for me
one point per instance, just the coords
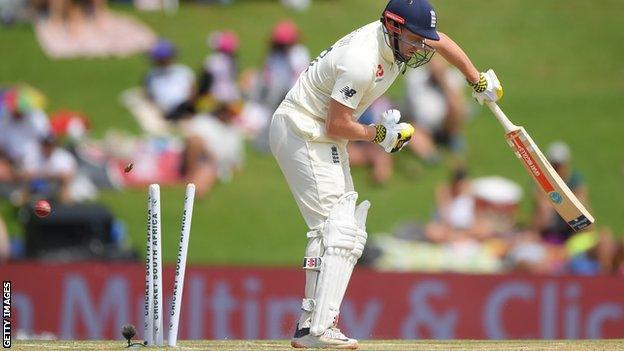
(348, 92)
(434, 19)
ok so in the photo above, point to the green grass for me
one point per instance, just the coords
(385, 345)
(559, 61)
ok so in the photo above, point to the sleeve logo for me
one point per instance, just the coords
(348, 92)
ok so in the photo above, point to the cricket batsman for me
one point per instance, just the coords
(309, 135)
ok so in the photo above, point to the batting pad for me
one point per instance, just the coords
(344, 237)
(332, 284)
(312, 263)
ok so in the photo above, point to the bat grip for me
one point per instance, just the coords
(501, 117)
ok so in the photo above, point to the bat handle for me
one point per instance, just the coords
(501, 117)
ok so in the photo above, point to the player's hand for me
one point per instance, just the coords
(488, 88)
(390, 134)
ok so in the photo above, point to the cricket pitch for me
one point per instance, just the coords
(386, 345)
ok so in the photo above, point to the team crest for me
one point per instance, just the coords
(379, 74)
(312, 263)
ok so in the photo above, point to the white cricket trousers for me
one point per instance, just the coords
(316, 169)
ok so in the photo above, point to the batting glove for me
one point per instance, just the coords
(488, 88)
(390, 134)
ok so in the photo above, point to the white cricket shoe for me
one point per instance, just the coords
(332, 338)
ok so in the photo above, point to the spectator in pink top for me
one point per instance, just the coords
(286, 60)
(220, 70)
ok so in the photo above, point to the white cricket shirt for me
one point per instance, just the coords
(355, 71)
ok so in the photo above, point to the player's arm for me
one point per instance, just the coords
(340, 124)
(353, 79)
(485, 84)
(455, 56)
(391, 135)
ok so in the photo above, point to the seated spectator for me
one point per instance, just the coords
(455, 209)
(22, 124)
(170, 86)
(436, 104)
(592, 252)
(298, 5)
(528, 253)
(217, 84)
(583, 251)
(85, 28)
(479, 209)
(49, 171)
(12, 11)
(70, 126)
(546, 220)
(287, 58)
(464, 235)
(170, 6)
(215, 148)
(73, 14)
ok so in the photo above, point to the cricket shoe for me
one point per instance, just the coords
(332, 338)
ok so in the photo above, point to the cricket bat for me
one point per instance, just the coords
(549, 182)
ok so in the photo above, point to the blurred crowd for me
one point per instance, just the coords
(79, 28)
(75, 16)
(39, 161)
(216, 108)
(197, 121)
(475, 229)
(32, 164)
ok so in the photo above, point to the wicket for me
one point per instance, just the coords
(153, 308)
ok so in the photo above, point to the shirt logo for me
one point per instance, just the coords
(348, 92)
(434, 19)
(334, 154)
(379, 74)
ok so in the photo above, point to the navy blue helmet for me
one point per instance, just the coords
(416, 16)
